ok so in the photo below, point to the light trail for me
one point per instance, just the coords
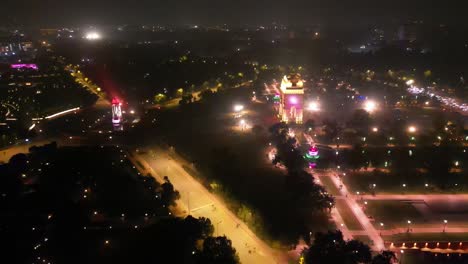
(62, 113)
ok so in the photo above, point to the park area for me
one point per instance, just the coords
(233, 163)
(383, 211)
(408, 170)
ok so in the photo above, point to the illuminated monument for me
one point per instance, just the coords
(291, 99)
(116, 111)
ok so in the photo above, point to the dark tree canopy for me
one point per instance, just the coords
(330, 248)
(217, 250)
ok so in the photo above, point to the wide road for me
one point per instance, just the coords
(425, 197)
(202, 203)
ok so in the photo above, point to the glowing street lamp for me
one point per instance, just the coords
(314, 106)
(409, 224)
(242, 124)
(375, 129)
(92, 36)
(238, 108)
(410, 82)
(381, 227)
(412, 129)
(370, 106)
(445, 225)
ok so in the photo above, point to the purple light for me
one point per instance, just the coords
(313, 151)
(23, 65)
(293, 100)
(116, 111)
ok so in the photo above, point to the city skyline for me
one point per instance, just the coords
(209, 12)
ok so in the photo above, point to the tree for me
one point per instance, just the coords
(257, 130)
(159, 98)
(361, 120)
(385, 257)
(169, 196)
(331, 129)
(198, 228)
(206, 94)
(217, 250)
(356, 158)
(186, 99)
(309, 124)
(330, 248)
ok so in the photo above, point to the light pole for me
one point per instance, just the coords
(242, 124)
(217, 227)
(445, 225)
(381, 227)
(401, 258)
(409, 224)
(188, 202)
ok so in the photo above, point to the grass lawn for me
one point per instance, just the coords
(329, 185)
(428, 237)
(392, 213)
(348, 216)
(407, 175)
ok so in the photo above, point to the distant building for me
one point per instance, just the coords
(377, 36)
(410, 31)
(291, 99)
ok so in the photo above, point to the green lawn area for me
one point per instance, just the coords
(392, 213)
(348, 216)
(428, 237)
(329, 185)
(399, 172)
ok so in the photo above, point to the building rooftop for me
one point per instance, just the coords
(292, 84)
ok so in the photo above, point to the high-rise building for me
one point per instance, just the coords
(292, 99)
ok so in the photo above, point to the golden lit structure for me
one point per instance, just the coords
(292, 99)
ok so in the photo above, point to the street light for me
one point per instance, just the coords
(370, 106)
(412, 129)
(381, 227)
(92, 36)
(402, 252)
(445, 225)
(409, 223)
(242, 124)
(238, 108)
(314, 106)
(375, 129)
(217, 227)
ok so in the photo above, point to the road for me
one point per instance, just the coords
(202, 203)
(425, 197)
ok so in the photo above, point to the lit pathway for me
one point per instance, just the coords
(370, 231)
(335, 214)
(202, 203)
(425, 197)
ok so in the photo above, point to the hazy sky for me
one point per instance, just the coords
(230, 11)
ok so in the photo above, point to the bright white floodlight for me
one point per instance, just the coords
(370, 106)
(314, 106)
(92, 36)
(238, 108)
(412, 129)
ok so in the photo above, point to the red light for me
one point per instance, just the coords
(115, 101)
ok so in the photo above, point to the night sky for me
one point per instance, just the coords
(234, 12)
